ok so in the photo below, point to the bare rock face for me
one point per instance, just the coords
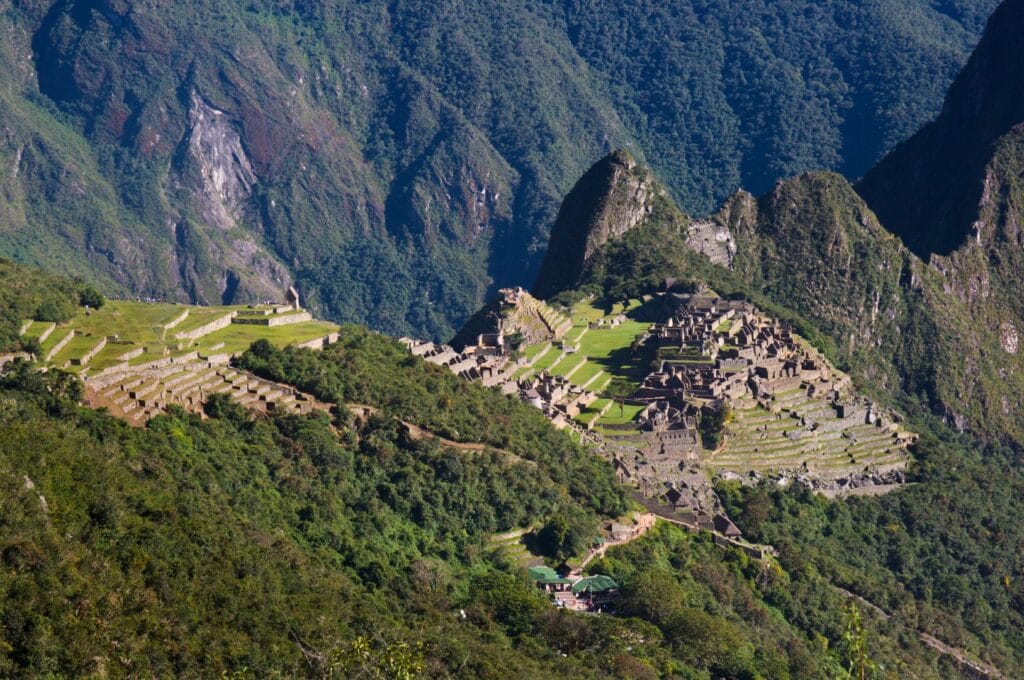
(217, 255)
(224, 172)
(1008, 338)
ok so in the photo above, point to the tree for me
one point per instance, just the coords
(566, 534)
(859, 665)
(713, 419)
(90, 297)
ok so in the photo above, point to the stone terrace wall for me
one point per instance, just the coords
(206, 329)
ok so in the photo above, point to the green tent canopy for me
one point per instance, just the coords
(595, 584)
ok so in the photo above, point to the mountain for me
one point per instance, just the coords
(932, 311)
(929, 189)
(614, 197)
(380, 541)
(398, 160)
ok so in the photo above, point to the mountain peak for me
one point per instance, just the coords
(613, 197)
(929, 188)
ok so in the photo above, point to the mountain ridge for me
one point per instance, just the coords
(390, 165)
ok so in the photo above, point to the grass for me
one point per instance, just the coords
(533, 351)
(75, 349)
(198, 317)
(109, 356)
(238, 337)
(593, 412)
(567, 364)
(621, 414)
(140, 322)
(587, 372)
(606, 349)
(548, 360)
(36, 329)
(56, 336)
(143, 324)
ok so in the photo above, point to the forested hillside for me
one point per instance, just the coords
(306, 546)
(395, 159)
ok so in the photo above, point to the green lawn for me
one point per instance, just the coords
(198, 317)
(546, 361)
(581, 376)
(605, 349)
(144, 325)
(238, 337)
(621, 414)
(576, 333)
(568, 363)
(55, 337)
(75, 349)
(592, 412)
(108, 356)
(532, 351)
(140, 322)
(35, 329)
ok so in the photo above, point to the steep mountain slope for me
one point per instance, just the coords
(390, 156)
(939, 333)
(322, 545)
(943, 330)
(928, 190)
(614, 197)
(943, 334)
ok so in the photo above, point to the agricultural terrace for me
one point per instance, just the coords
(146, 331)
(602, 353)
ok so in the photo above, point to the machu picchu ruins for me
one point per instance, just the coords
(136, 359)
(789, 415)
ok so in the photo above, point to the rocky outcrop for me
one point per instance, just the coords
(224, 175)
(614, 197)
(713, 240)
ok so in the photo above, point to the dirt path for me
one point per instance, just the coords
(647, 520)
(363, 411)
(643, 524)
(961, 657)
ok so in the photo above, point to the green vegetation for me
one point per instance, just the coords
(735, 617)
(942, 555)
(154, 327)
(219, 545)
(197, 547)
(396, 164)
(31, 294)
(367, 368)
(713, 420)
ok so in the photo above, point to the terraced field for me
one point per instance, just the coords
(512, 546)
(141, 332)
(776, 442)
(601, 353)
(137, 396)
(138, 358)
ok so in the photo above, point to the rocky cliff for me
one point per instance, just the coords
(614, 197)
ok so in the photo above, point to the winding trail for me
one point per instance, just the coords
(364, 411)
(979, 668)
(644, 523)
(647, 521)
